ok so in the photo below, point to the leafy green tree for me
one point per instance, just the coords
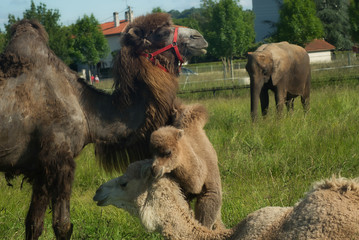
(298, 22)
(89, 44)
(335, 19)
(157, 10)
(2, 41)
(354, 19)
(226, 31)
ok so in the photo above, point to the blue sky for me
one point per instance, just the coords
(71, 10)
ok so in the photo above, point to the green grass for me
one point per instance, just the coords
(272, 162)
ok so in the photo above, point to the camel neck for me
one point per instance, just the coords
(104, 119)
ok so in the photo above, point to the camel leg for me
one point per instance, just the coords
(208, 207)
(35, 217)
(61, 200)
(61, 218)
(60, 168)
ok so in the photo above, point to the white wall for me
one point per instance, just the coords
(114, 44)
(317, 57)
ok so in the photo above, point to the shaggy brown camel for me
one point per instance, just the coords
(48, 115)
(185, 151)
(329, 211)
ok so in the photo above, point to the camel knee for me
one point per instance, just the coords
(33, 231)
(63, 230)
(208, 208)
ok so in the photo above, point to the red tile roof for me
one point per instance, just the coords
(319, 45)
(109, 28)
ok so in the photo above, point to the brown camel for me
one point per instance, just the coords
(330, 210)
(185, 151)
(48, 115)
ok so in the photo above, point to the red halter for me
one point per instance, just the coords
(150, 56)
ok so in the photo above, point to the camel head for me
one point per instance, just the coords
(129, 190)
(165, 147)
(152, 32)
(151, 200)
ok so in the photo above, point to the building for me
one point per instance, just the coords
(112, 32)
(266, 13)
(320, 50)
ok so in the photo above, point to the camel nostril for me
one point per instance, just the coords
(157, 172)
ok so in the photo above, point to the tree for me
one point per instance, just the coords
(157, 10)
(2, 41)
(226, 31)
(298, 23)
(89, 44)
(189, 17)
(335, 19)
(354, 19)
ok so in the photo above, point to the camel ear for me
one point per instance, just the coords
(179, 134)
(137, 35)
(135, 32)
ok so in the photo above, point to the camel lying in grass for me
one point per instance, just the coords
(329, 211)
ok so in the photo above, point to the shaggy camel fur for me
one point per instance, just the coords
(189, 156)
(48, 115)
(330, 210)
(139, 80)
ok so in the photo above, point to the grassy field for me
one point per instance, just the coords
(272, 162)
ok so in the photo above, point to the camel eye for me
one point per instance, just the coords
(196, 36)
(167, 153)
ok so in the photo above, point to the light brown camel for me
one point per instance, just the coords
(48, 114)
(184, 151)
(330, 210)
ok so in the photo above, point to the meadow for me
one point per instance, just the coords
(272, 162)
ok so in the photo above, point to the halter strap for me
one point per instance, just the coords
(150, 56)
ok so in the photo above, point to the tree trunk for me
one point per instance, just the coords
(231, 66)
(224, 63)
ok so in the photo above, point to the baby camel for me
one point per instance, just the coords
(186, 153)
(329, 211)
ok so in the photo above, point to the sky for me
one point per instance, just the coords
(71, 10)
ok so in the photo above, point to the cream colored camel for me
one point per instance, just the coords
(329, 211)
(184, 151)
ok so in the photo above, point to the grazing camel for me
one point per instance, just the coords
(329, 211)
(48, 114)
(185, 151)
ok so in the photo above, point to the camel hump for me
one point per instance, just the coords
(338, 184)
(191, 115)
(28, 45)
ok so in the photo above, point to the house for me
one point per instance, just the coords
(112, 32)
(267, 13)
(320, 50)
